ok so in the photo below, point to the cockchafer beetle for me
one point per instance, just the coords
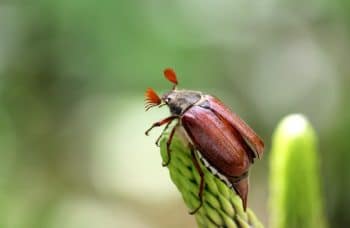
(225, 144)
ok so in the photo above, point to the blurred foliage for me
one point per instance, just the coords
(72, 78)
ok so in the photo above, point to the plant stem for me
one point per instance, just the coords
(222, 207)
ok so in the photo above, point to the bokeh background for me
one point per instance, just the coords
(72, 78)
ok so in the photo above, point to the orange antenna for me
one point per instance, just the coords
(151, 99)
(171, 76)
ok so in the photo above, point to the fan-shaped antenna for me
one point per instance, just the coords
(151, 99)
(171, 76)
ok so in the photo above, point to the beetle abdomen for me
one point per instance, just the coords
(238, 184)
(220, 144)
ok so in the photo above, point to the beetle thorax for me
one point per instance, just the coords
(181, 100)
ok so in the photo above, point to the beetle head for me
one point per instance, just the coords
(178, 101)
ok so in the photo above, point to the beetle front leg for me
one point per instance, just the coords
(201, 185)
(168, 143)
(160, 136)
(160, 123)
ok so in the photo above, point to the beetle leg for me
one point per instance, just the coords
(158, 139)
(168, 143)
(160, 123)
(201, 185)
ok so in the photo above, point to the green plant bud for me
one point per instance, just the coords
(295, 198)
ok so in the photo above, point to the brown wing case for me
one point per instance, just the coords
(220, 144)
(250, 137)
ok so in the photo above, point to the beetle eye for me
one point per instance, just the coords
(167, 100)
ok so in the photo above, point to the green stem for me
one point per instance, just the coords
(222, 207)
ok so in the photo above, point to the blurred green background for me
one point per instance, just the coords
(72, 78)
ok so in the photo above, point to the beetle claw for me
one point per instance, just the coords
(147, 131)
(166, 163)
(195, 210)
(157, 142)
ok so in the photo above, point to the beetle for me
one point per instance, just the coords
(224, 143)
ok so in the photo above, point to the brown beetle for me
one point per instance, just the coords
(225, 144)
